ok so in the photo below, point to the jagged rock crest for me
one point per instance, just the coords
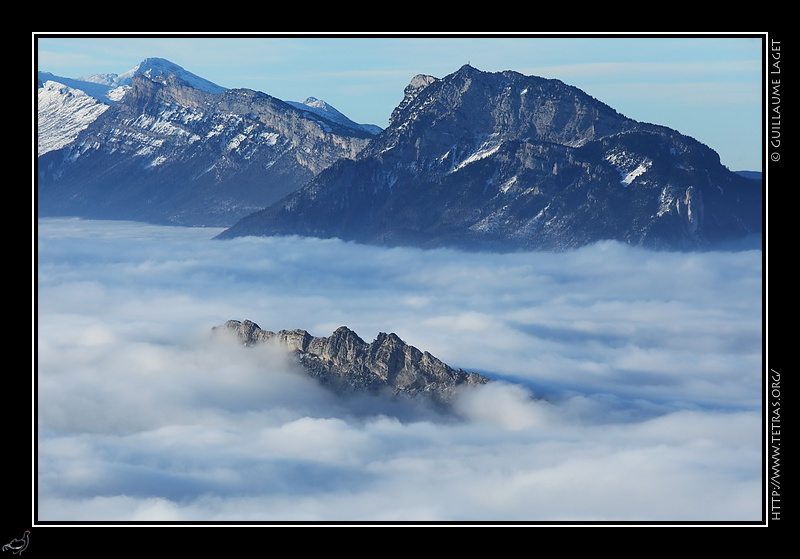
(345, 363)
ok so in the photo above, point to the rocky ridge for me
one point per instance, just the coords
(504, 161)
(171, 152)
(345, 363)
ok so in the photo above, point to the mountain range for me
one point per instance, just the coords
(473, 160)
(162, 145)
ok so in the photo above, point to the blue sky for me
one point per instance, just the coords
(708, 87)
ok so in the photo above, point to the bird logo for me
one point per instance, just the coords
(17, 545)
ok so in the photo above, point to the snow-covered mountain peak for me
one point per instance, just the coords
(63, 113)
(155, 69)
(323, 109)
(158, 68)
(170, 151)
(316, 103)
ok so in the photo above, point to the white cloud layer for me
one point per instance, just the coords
(627, 383)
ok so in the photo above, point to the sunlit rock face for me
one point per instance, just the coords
(346, 363)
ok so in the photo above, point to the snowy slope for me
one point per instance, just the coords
(62, 113)
(68, 105)
(103, 92)
(158, 68)
(168, 152)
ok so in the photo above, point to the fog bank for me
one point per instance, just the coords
(626, 383)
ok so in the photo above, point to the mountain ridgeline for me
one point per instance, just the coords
(177, 150)
(346, 364)
(475, 160)
(503, 161)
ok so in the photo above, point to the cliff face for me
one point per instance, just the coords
(346, 363)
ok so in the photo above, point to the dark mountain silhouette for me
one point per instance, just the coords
(505, 161)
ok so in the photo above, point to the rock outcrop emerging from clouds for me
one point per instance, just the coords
(345, 363)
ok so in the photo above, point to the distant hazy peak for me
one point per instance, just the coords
(157, 69)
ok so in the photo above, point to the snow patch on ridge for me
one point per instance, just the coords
(487, 149)
(628, 167)
(505, 187)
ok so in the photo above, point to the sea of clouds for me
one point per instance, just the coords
(626, 383)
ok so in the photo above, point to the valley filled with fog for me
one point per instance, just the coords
(626, 383)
